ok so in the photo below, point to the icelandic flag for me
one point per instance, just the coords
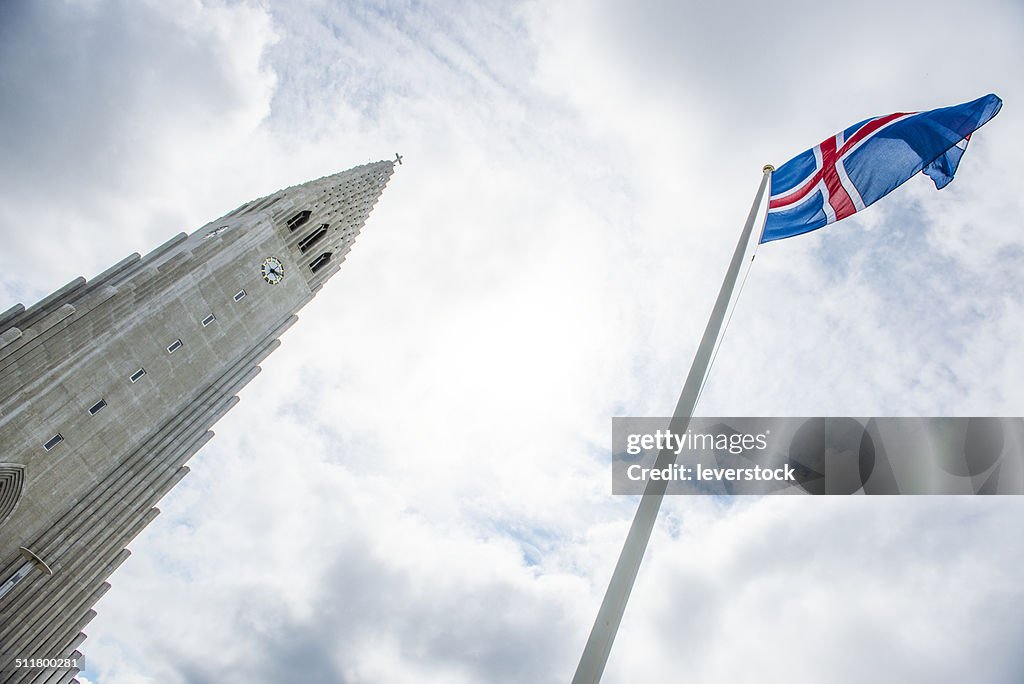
(867, 161)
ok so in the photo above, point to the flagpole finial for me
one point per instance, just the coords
(768, 168)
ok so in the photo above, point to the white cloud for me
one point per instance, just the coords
(116, 118)
(416, 487)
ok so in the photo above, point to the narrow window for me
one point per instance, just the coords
(174, 346)
(320, 261)
(215, 232)
(307, 242)
(53, 441)
(97, 407)
(299, 219)
(137, 375)
(239, 295)
(13, 580)
(208, 320)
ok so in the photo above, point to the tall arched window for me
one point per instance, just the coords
(307, 242)
(320, 261)
(299, 219)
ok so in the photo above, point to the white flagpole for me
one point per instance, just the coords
(602, 634)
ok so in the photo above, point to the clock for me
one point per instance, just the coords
(272, 270)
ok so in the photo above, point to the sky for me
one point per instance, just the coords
(416, 488)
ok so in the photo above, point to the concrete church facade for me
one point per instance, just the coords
(109, 386)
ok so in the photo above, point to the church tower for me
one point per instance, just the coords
(109, 386)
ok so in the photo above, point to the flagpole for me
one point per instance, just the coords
(602, 634)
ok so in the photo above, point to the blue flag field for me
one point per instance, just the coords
(858, 166)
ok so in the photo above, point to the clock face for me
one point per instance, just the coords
(272, 270)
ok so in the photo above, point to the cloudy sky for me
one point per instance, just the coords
(416, 488)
